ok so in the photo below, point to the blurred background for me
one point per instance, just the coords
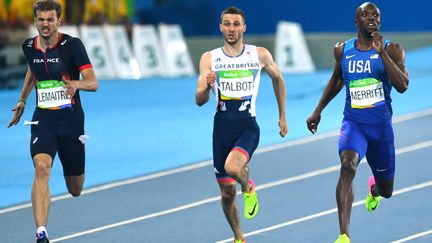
(145, 53)
(323, 22)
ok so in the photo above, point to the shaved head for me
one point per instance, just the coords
(365, 5)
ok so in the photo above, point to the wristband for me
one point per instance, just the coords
(23, 101)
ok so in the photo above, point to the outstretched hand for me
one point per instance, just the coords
(313, 121)
(18, 111)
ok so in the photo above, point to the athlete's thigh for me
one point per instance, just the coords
(381, 151)
(223, 142)
(352, 137)
(248, 138)
(70, 149)
(43, 139)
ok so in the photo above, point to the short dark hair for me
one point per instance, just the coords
(233, 10)
(47, 5)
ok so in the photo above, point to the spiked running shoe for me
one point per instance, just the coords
(251, 205)
(42, 240)
(240, 241)
(371, 201)
(343, 239)
(42, 237)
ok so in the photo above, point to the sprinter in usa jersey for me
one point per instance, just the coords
(369, 67)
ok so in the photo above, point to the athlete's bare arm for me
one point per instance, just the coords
(333, 87)
(268, 64)
(393, 58)
(206, 80)
(18, 110)
(88, 82)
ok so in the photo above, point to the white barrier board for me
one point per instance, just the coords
(291, 52)
(125, 64)
(94, 42)
(147, 50)
(176, 53)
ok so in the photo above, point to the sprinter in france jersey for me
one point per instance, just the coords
(55, 63)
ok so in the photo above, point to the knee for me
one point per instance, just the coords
(386, 193)
(235, 170)
(42, 169)
(75, 193)
(228, 194)
(232, 170)
(75, 190)
(348, 167)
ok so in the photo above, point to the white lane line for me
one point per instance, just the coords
(402, 118)
(326, 212)
(213, 199)
(412, 237)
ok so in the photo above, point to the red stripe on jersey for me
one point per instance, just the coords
(85, 67)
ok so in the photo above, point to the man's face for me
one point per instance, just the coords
(368, 19)
(47, 23)
(232, 28)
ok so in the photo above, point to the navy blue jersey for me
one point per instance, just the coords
(367, 86)
(64, 60)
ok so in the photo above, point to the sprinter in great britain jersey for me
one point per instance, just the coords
(233, 73)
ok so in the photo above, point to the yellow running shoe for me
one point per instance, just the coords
(251, 205)
(371, 201)
(343, 239)
(240, 241)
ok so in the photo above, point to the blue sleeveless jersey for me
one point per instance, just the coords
(367, 86)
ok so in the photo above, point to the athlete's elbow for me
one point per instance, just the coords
(95, 86)
(199, 102)
(402, 88)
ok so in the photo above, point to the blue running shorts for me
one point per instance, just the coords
(375, 141)
(233, 134)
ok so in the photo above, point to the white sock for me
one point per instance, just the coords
(39, 230)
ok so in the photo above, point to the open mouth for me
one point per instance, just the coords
(45, 30)
(371, 26)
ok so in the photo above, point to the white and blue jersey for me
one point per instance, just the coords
(367, 86)
(237, 82)
(235, 89)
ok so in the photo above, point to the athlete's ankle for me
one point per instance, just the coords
(375, 191)
(41, 232)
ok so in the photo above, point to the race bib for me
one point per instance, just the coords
(51, 95)
(236, 84)
(366, 93)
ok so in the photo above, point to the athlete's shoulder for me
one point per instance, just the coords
(393, 45)
(395, 51)
(338, 50)
(262, 52)
(28, 43)
(68, 40)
